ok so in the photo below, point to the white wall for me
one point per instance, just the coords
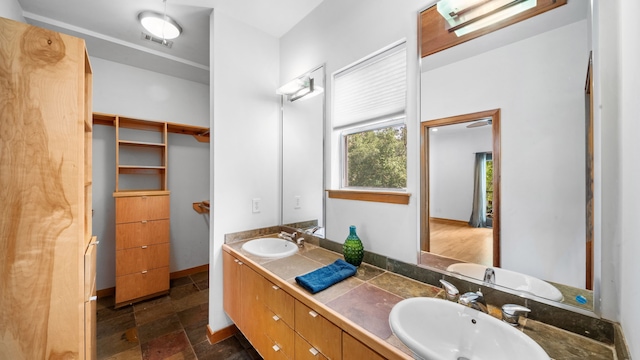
(125, 90)
(11, 9)
(538, 83)
(245, 140)
(339, 33)
(630, 130)
(452, 169)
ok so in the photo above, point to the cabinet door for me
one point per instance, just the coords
(232, 285)
(138, 208)
(252, 310)
(136, 285)
(141, 258)
(318, 331)
(279, 301)
(139, 233)
(353, 349)
(305, 351)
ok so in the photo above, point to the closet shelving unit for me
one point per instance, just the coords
(143, 214)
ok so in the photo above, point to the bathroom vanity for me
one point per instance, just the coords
(349, 320)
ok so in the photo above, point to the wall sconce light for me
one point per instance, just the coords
(299, 88)
(465, 16)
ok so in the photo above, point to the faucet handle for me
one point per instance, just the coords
(451, 292)
(511, 313)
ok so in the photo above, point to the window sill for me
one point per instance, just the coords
(389, 197)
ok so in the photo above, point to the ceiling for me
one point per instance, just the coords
(112, 31)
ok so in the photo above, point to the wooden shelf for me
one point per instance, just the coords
(137, 192)
(202, 207)
(141, 144)
(200, 133)
(141, 170)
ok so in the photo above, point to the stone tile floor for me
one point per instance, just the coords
(168, 327)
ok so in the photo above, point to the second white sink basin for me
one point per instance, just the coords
(510, 279)
(270, 248)
(436, 329)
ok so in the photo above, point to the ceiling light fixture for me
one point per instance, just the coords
(160, 25)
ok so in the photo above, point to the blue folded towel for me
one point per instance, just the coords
(326, 276)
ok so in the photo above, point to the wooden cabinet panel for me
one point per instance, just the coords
(90, 256)
(231, 287)
(305, 351)
(252, 309)
(141, 233)
(280, 333)
(318, 331)
(278, 301)
(132, 286)
(139, 208)
(90, 326)
(141, 258)
(353, 349)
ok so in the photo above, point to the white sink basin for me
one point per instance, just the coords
(270, 248)
(510, 279)
(436, 329)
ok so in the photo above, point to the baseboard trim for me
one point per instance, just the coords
(225, 333)
(174, 275)
(191, 271)
(450, 221)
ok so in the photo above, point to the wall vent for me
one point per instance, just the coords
(163, 42)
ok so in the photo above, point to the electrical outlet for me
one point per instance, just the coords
(255, 207)
(297, 206)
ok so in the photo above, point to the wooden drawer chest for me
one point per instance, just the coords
(142, 247)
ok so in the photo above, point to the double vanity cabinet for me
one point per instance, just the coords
(282, 322)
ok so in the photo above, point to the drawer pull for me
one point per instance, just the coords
(144, 271)
(236, 260)
(275, 287)
(276, 348)
(144, 221)
(144, 246)
(240, 263)
(95, 242)
(275, 318)
(313, 313)
(314, 351)
(93, 298)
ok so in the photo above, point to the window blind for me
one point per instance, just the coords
(371, 89)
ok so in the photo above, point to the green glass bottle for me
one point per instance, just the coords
(352, 249)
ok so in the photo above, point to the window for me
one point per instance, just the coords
(368, 114)
(376, 157)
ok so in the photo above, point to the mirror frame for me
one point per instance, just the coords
(595, 311)
(324, 155)
(424, 174)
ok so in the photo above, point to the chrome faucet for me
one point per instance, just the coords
(292, 237)
(511, 313)
(489, 276)
(451, 292)
(474, 300)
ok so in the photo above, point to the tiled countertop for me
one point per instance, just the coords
(366, 299)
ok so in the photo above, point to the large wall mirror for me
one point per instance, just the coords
(534, 72)
(303, 118)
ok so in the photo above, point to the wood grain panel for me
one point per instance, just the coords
(138, 234)
(278, 301)
(133, 286)
(353, 349)
(137, 259)
(139, 208)
(305, 351)
(318, 331)
(374, 196)
(42, 197)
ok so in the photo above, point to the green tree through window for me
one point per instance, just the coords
(489, 177)
(377, 158)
